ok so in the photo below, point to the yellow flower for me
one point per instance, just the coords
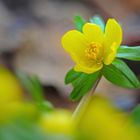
(58, 122)
(100, 120)
(92, 48)
(10, 88)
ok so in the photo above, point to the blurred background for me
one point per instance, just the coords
(30, 41)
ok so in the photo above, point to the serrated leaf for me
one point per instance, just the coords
(71, 76)
(77, 86)
(130, 53)
(99, 21)
(122, 66)
(115, 76)
(81, 79)
(81, 88)
(79, 92)
(79, 22)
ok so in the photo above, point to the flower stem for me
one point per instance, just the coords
(84, 100)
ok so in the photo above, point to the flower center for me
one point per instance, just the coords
(93, 50)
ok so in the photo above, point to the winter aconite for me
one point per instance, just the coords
(92, 48)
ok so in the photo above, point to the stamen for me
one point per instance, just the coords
(92, 50)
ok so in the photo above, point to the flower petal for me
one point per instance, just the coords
(113, 33)
(93, 32)
(74, 41)
(110, 56)
(85, 69)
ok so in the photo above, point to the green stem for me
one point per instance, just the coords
(83, 101)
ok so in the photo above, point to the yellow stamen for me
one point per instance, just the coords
(92, 50)
(99, 61)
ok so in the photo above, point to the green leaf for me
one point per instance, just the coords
(37, 88)
(80, 79)
(71, 76)
(18, 131)
(99, 21)
(79, 22)
(81, 87)
(130, 53)
(135, 115)
(122, 66)
(115, 76)
(33, 87)
(45, 106)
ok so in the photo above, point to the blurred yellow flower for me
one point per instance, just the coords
(12, 111)
(100, 120)
(57, 122)
(10, 89)
(91, 48)
(11, 95)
